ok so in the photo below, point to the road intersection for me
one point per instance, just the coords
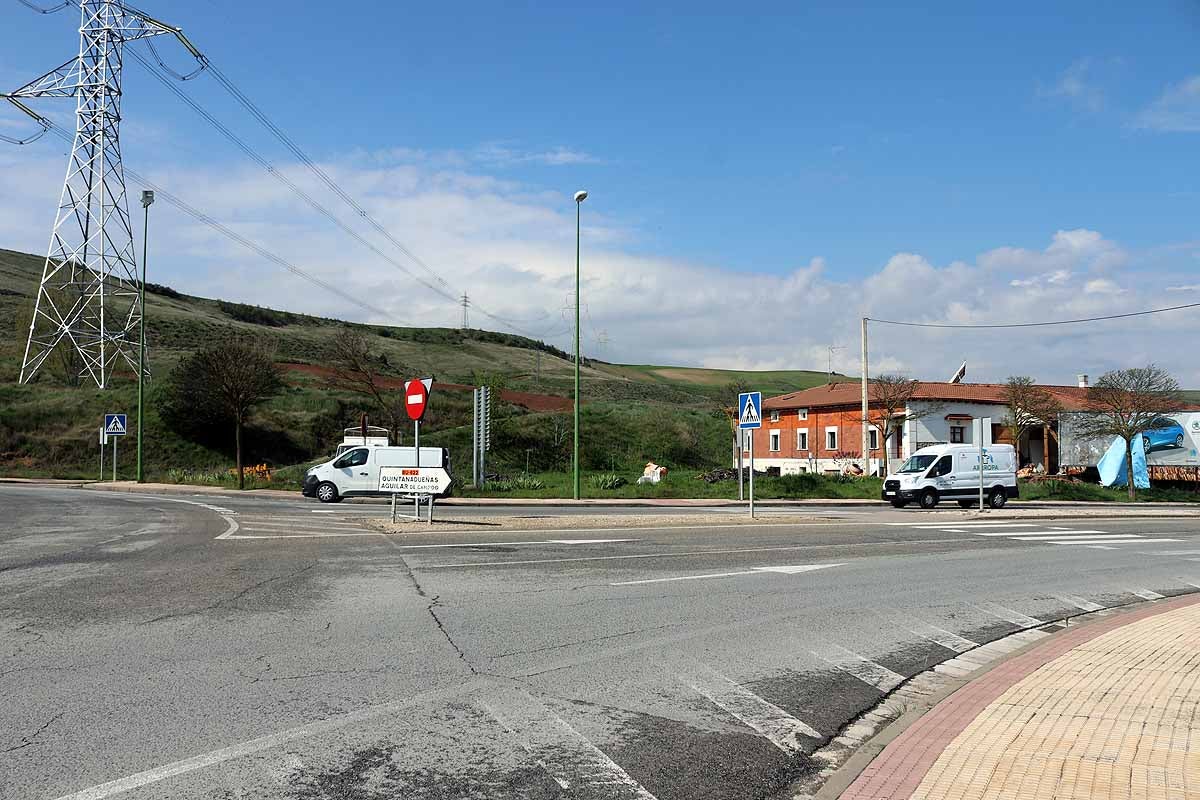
(152, 647)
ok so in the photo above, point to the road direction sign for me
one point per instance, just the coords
(416, 397)
(750, 410)
(413, 480)
(115, 425)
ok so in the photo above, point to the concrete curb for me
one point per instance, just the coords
(864, 739)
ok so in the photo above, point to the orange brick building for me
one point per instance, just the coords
(820, 429)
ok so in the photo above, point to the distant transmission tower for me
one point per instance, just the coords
(88, 297)
(465, 302)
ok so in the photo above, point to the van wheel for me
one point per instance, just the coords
(1179, 440)
(966, 503)
(327, 493)
(929, 498)
(998, 499)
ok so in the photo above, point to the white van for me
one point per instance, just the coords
(951, 472)
(355, 472)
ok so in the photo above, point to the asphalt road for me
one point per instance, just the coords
(152, 647)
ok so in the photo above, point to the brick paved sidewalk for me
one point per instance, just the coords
(1108, 710)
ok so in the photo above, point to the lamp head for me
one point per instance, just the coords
(147, 198)
(580, 196)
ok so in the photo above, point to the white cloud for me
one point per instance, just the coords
(1191, 287)
(511, 247)
(1176, 109)
(1074, 87)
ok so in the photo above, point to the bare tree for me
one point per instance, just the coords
(1125, 403)
(726, 407)
(225, 382)
(355, 369)
(1029, 406)
(891, 406)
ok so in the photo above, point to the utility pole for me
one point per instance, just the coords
(580, 196)
(465, 302)
(88, 298)
(866, 453)
(147, 201)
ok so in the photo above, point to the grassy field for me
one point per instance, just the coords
(631, 413)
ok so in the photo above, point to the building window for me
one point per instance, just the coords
(873, 439)
(802, 413)
(802, 439)
(774, 416)
(956, 434)
(774, 441)
(831, 442)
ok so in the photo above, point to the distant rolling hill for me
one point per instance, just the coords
(634, 412)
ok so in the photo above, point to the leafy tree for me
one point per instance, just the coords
(890, 408)
(356, 369)
(1029, 406)
(223, 383)
(1125, 403)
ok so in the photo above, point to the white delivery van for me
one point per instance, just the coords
(951, 472)
(355, 472)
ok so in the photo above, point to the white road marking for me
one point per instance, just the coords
(677, 555)
(278, 522)
(1078, 602)
(499, 544)
(1173, 552)
(947, 639)
(1101, 540)
(862, 668)
(1055, 534)
(146, 777)
(996, 524)
(1008, 615)
(563, 752)
(789, 570)
(772, 722)
(1073, 537)
(1146, 594)
(303, 535)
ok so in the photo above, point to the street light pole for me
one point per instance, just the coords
(580, 196)
(147, 201)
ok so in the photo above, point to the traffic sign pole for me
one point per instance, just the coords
(115, 458)
(752, 476)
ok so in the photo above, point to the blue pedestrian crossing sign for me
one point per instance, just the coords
(750, 410)
(114, 425)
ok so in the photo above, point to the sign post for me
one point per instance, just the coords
(115, 426)
(750, 418)
(416, 399)
(103, 441)
(979, 426)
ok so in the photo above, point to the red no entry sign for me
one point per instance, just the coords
(416, 397)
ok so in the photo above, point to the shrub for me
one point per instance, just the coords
(607, 482)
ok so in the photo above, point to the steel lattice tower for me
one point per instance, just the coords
(88, 297)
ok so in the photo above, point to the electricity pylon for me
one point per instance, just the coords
(88, 297)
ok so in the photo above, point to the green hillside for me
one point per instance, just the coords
(631, 413)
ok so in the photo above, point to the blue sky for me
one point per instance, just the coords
(711, 137)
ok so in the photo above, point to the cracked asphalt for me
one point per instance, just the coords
(303, 656)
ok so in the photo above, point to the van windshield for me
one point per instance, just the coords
(917, 464)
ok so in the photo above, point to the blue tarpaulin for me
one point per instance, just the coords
(1113, 468)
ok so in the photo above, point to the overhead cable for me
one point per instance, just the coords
(1036, 324)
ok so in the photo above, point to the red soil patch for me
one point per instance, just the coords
(529, 400)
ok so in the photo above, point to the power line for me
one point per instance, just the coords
(1037, 324)
(205, 64)
(247, 243)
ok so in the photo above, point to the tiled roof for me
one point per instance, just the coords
(849, 393)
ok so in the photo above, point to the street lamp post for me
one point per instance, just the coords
(147, 201)
(580, 196)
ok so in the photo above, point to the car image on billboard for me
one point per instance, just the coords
(1165, 435)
